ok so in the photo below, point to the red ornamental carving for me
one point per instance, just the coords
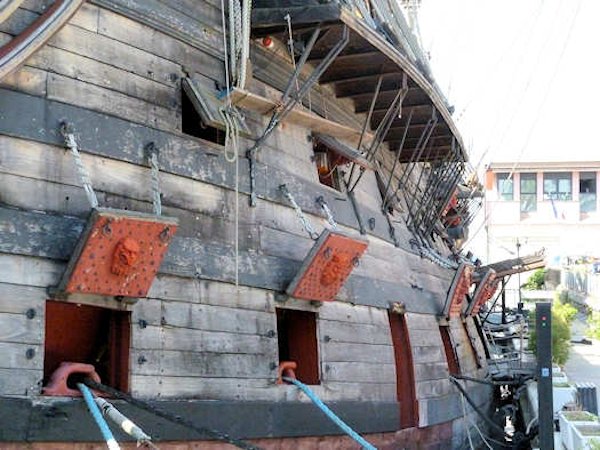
(326, 267)
(485, 292)
(119, 253)
(126, 254)
(461, 290)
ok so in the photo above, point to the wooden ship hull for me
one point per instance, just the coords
(131, 99)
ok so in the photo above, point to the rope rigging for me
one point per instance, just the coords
(84, 177)
(330, 414)
(213, 434)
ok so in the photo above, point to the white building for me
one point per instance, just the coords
(551, 205)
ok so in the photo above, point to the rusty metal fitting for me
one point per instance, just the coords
(286, 369)
(57, 385)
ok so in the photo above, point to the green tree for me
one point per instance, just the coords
(594, 325)
(563, 314)
(536, 281)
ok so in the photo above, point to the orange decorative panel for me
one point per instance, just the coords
(327, 266)
(458, 290)
(118, 254)
(485, 290)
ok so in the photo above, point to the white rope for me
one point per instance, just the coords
(84, 176)
(245, 44)
(155, 185)
(230, 117)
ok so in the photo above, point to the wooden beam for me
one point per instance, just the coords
(351, 55)
(362, 102)
(397, 132)
(299, 116)
(268, 17)
(369, 69)
(366, 87)
(393, 73)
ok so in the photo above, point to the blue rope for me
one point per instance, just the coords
(329, 413)
(91, 404)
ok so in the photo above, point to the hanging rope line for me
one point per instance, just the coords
(231, 116)
(303, 219)
(110, 411)
(152, 153)
(330, 414)
(213, 434)
(104, 429)
(84, 177)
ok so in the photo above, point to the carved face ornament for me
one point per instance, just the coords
(125, 256)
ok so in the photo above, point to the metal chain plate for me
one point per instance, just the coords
(327, 266)
(119, 255)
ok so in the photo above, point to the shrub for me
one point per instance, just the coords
(536, 281)
(594, 325)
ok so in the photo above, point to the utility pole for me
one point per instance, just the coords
(520, 304)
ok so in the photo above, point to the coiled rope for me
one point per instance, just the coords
(330, 414)
(104, 429)
(213, 434)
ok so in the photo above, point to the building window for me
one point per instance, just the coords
(505, 186)
(449, 350)
(405, 377)
(297, 334)
(557, 186)
(90, 335)
(528, 192)
(587, 192)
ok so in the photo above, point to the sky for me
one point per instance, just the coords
(522, 75)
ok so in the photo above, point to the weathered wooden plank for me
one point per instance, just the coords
(431, 371)
(246, 389)
(216, 318)
(27, 79)
(29, 271)
(421, 322)
(51, 163)
(20, 381)
(335, 331)
(427, 354)
(191, 340)
(104, 49)
(340, 390)
(211, 293)
(17, 299)
(218, 365)
(358, 372)
(104, 75)
(96, 98)
(345, 352)
(170, 22)
(434, 388)
(344, 312)
(21, 356)
(17, 328)
(144, 37)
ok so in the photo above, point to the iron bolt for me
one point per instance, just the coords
(271, 333)
(142, 323)
(30, 353)
(164, 235)
(141, 360)
(30, 313)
